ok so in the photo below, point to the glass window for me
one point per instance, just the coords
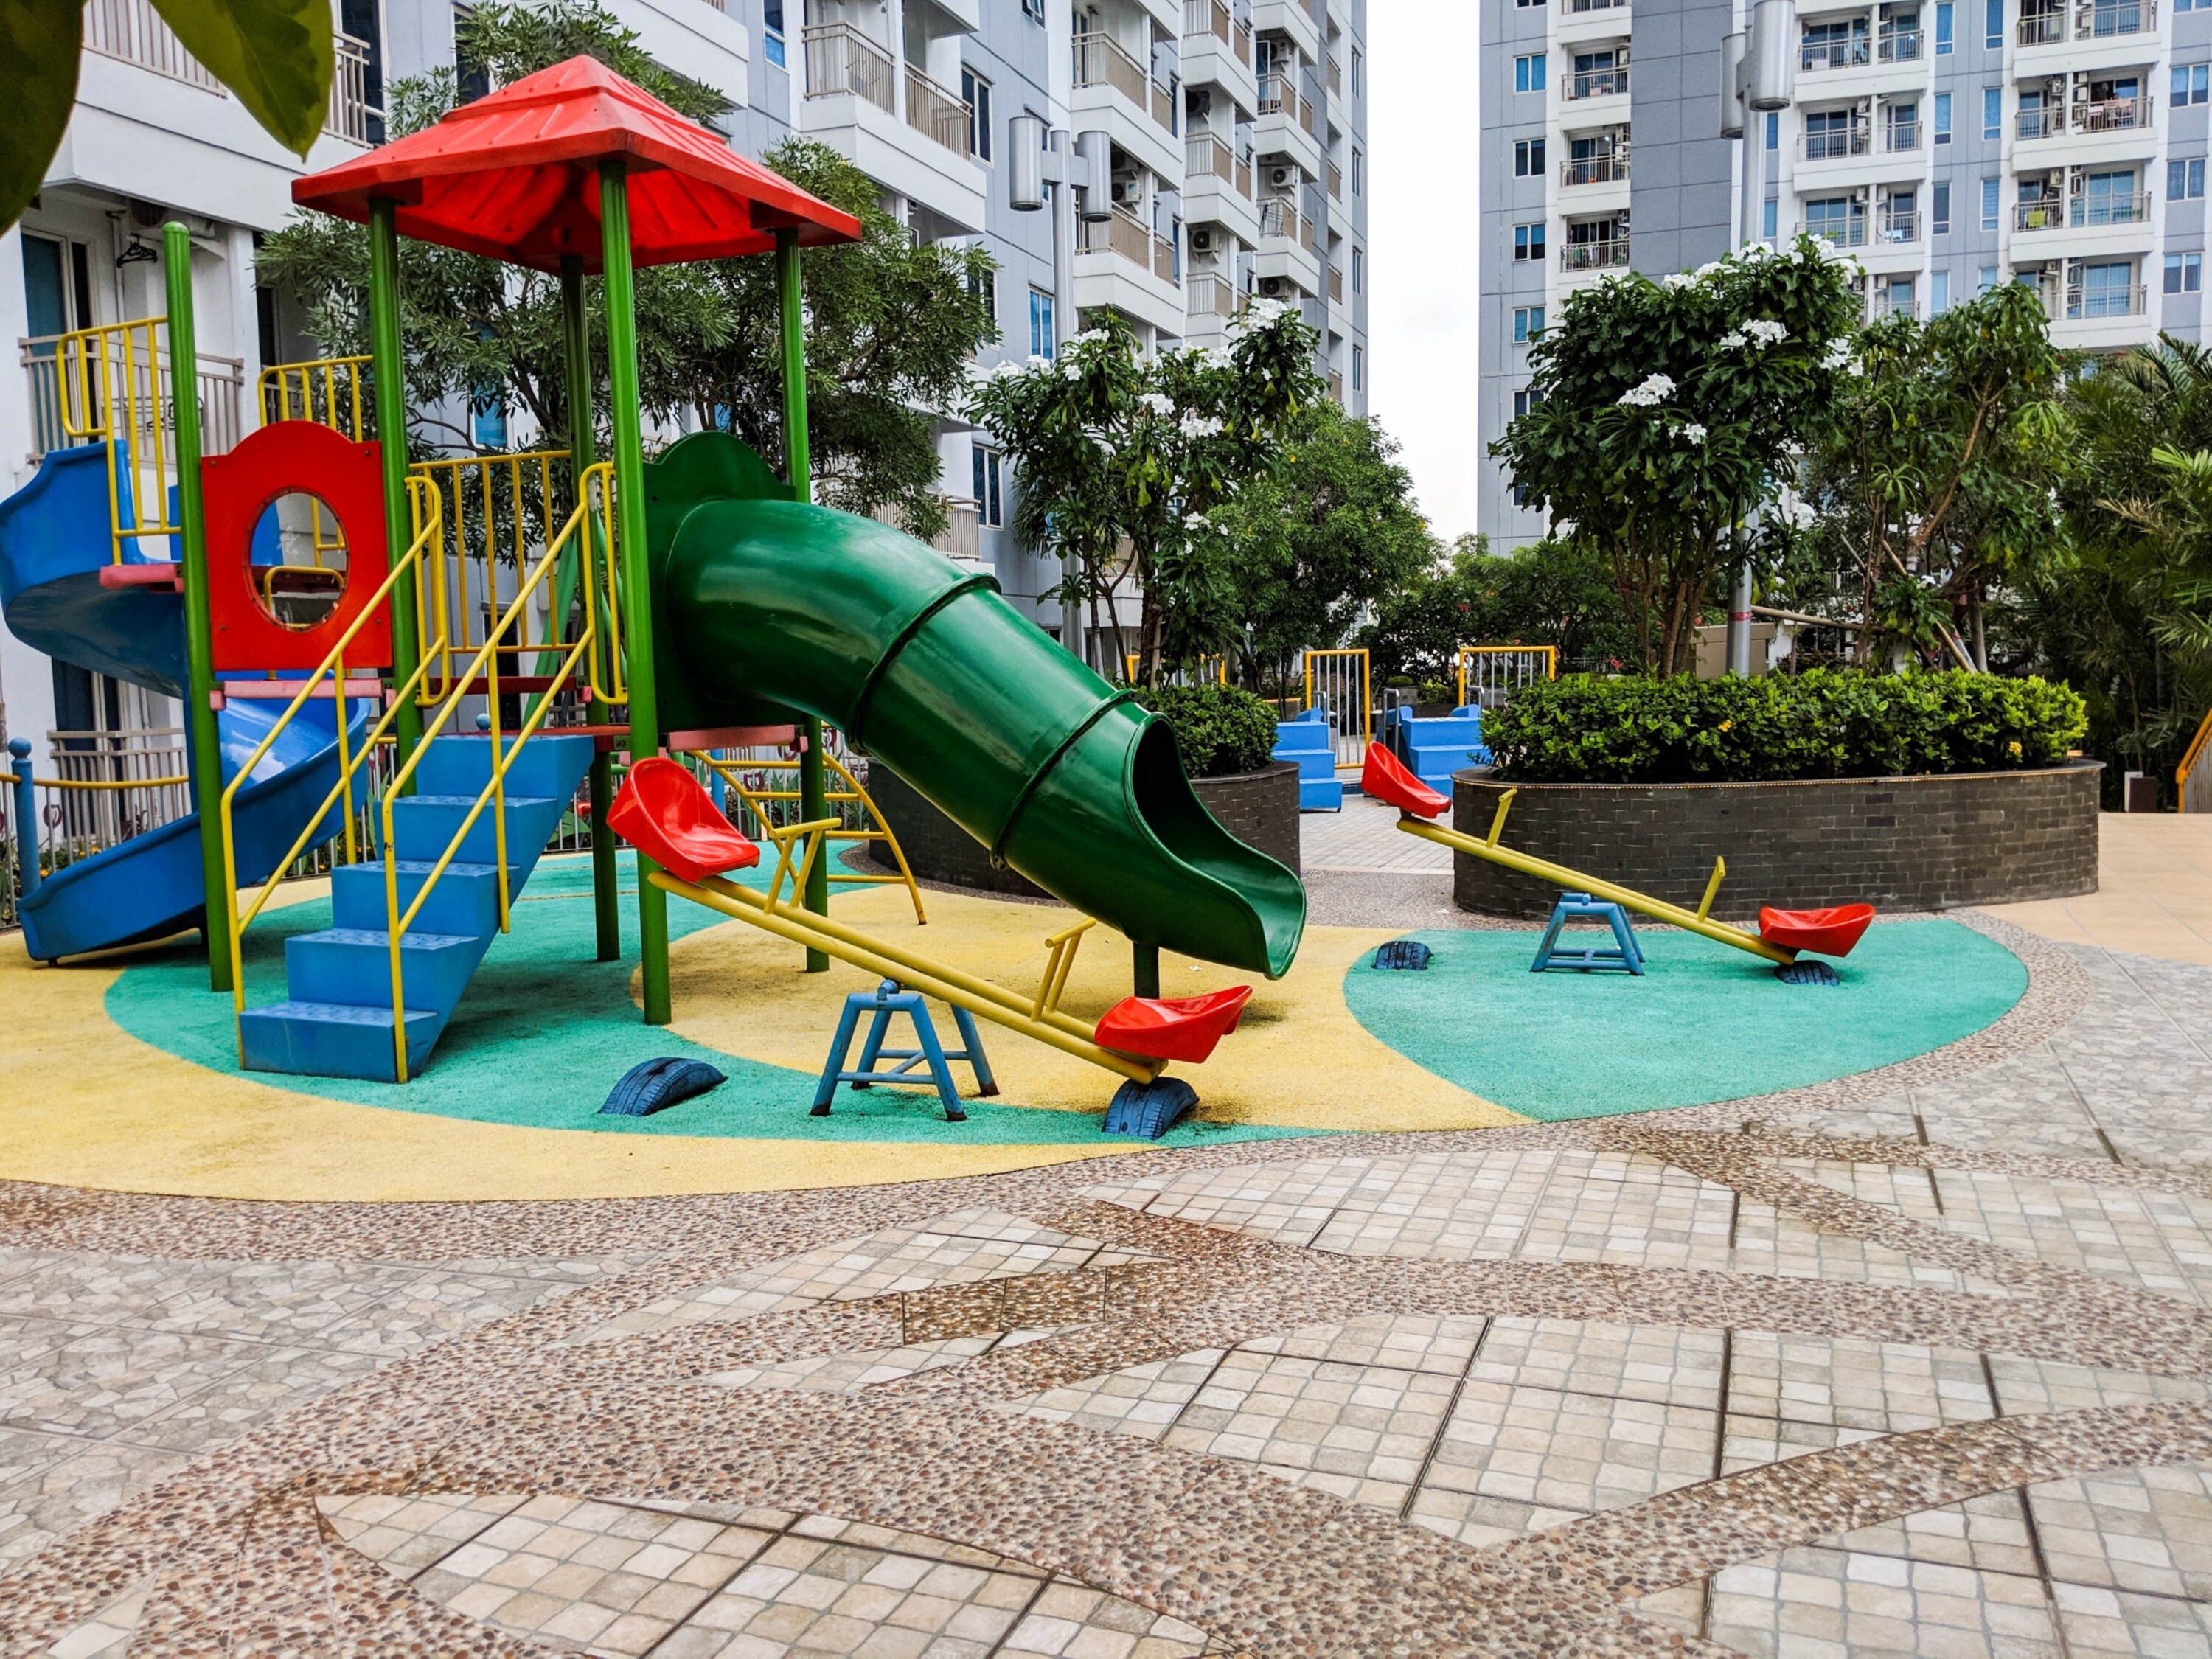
(1939, 211)
(1774, 129)
(1528, 241)
(44, 289)
(2184, 273)
(2104, 290)
(772, 31)
(1939, 293)
(1359, 167)
(2185, 180)
(990, 505)
(1358, 368)
(977, 91)
(1942, 117)
(1988, 204)
(2200, 80)
(1944, 29)
(1359, 72)
(1992, 111)
(1523, 401)
(1769, 219)
(1993, 24)
(1034, 10)
(1527, 323)
(1041, 331)
(1527, 158)
(1359, 270)
(1528, 73)
(1985, 279)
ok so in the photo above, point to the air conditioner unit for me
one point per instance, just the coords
(1273, 287)
(1127, 190)
(1201, 241)
(1282, 178)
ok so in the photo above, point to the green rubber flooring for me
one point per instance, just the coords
(1704, 1023)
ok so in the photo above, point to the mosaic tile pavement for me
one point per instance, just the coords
(1915, 1363)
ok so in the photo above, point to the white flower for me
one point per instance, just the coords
(1071, 370)
(1838, 354)
(1677, 279)
(1694, 432)
(1195, 521)
(1766, 332)
(1201, 426)
(1158, 402)
(1655, 390)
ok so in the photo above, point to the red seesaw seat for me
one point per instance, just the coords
(662, 812)
(1828, 933)
(1172, 1028)
(1386, 779)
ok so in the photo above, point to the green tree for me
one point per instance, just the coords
(1119, 461)
(1666, 410)
(1559, 592)
(275, 55)
(1332, 529)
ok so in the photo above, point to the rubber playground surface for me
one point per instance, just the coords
(127, 1074)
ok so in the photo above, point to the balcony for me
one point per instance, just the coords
(1887, 302)
(1123, 234)
(1207, 156)
(1610, 168)
(2085, 305)
(2045, 26)
(1836, 143)
(1608, 254)
(2046, 123)
(1335, 78)
(962, 537)
(1100, 61)
(2100, 20)
(133, 31)
(841, 60)
(1336, 182)
(1837, 232)
(1896, 227)
(1896, 45)
(1584, 7)
(1900, 138)
(2047, 214)
(1815, 55)
(1335, 286)
(1279, 216)
(2087, 211)
(1335, 386)
(1279, 95)
(1211, 296)
(1212, 17)
(351, 116)
(945, 117)
(2113, 115)
(1599, 84)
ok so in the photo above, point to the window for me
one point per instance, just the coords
(1992, 111)
(1774, 129)
(1993, 25)
(1358, 368)
(2103, 290)
(977, 91)
(472, 80)
(1985, 279)
(1041, 331)
(1359, 270)
(990, 503)
(1034, 10)
(2185, 180)
(1359, 167)
(1523, 400)
(489, 425)
(1942, 117)
(1939, 211)
(1939, 293)
(1944, 43)
(1988, 204)
(1359, 72)
(2191, 82)
(1769, 218)
(1527, 323)
(2184, 273)
(1527, 158)
(772, 32)
(1528, 241)
(1528, 73)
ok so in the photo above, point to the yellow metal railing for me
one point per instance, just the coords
(1505, 667)
(351, 761)
(2198, 747)
(110, 381)
(1340, 682)
(327, 390)
(877, 827)
(483, 664)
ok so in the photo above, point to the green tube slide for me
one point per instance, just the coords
(763, 605)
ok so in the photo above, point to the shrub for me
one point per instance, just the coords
(1221, 730)
(1819, 723)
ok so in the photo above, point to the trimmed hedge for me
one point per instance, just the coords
(1820, 723)
(1222, 732)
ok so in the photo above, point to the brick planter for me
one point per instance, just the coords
(1919, 843)
(1259, 808)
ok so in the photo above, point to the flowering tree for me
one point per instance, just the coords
(1665, 412)
(1119, 459)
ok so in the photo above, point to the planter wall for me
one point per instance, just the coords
(1259, 808)
(1920, 843)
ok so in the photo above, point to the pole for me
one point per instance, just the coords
(798, 472)
(1145, 968)
(205, 755)
(388, 369)
(627, 420)
(1063, 322)
(27, 822)
(1751, 202)
(576, 341)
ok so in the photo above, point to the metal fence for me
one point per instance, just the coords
(1488, 674)
(1339, 684)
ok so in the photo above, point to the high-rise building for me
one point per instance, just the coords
(1233, 133)
(1949, 144)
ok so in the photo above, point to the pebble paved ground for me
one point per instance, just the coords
(1918, 1363)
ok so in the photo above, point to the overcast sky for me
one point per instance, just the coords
(1422, 226)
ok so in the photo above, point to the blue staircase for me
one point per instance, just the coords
(1306, 740)
(1435, 749)
(337, 1020)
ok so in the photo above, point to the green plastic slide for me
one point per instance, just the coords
(763, 605)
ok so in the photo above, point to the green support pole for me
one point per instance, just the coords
(576, 339)
(798, 471)
(1147, 968)
(629, 541)
(199, 631)
(388, 369)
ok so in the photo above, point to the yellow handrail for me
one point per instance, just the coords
(1550, 653)
(494, 793)
(425, 507)
(2198, 746)
(854, 792)
(341, 407)
(106, 783)
(99, 372)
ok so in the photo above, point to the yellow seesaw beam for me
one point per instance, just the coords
(1695, 921)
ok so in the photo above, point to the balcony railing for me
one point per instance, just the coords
(841, 60)
(1900, 137)
(1594, 256)
(2047, 214)
(1207, 17)
(1888, 303)
(1335, 286)
(961, 538)
(1853, 53)
(1335, 386)
(1208, 156)
(1599, 84)
(1895, 228)
(1279, 94)
(2045, 123)
(2090, 210)
(351, 115)
(2113, 115)
(1336, 182)
(1581, 8)
(2086, 304)
(1165, 266)
(2097, 20)
(134, 32)
(1836, 143)
(1279, 216)
(1101, 61)
(941, 114)
(1609, 169)
(1838, 232)
(1211, 296)
(2044, 26)
(1896, 45)
(221, 382)
(1129, 237)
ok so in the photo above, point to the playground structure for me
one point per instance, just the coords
(1489, 674)
(701, 603)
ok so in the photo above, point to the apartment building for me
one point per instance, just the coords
(1949, 144)
(1235, 132)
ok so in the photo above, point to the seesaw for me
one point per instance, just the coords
(663, 812)
(1782, 933)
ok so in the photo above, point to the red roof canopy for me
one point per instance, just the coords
(515, 175)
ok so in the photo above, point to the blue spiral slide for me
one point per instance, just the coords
(56, 536)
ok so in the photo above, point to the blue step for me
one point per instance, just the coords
(1320, 795)
(323, 1039)
(353, 965)
(337, 1021)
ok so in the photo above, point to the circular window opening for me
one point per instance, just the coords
(298, 560)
